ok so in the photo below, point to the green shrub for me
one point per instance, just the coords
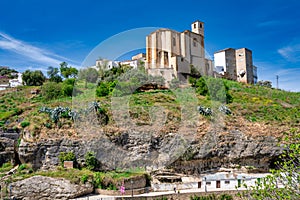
(214, 88)
(51, 90)
(6, 165)
(98, 177)
(105, 88)
(18, 142)
(69, 81)
(226, 197)
(25, 124)
(67, 90)
(66, 156)
(201, 87)
(112, 187)
(84, 178)
(102, 90)
(91, 160)
(22, 167)
(209, 197)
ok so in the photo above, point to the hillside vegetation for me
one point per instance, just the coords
(20, 108)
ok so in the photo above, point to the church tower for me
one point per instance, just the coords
(198, 27)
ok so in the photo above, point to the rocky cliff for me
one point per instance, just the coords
(232, 150)
(129, 149)
(8, 147)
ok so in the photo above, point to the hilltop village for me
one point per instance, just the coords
(177, 55)
(173, 54)
(95, 130)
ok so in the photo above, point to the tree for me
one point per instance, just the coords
(10, 73)
(91, 160)
(33, 78)
(265, 83)
(201, 87)
(51, 90)
(53, 75)
(89, 75)
(103, 89)
(284, 183)
(68, 72)
(213, 88)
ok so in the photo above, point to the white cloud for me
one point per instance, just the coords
(291, 52)
(288, 76)
(36, 54)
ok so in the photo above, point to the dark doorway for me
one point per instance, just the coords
(199, 184)
(218, 184)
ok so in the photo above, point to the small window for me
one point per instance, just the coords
(182, 59)
(195, 42)
(195, 26)
(239, 182)
(200, 25)
(208, 183)
(174, 41)
(227, 182)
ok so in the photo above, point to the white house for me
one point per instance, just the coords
(230, 181)
(16, 82)
(106, 64)
(220, 181)
(135, 61)
(4, 86)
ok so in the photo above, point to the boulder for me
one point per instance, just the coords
(41, 187)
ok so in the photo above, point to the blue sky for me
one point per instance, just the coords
(35, 34)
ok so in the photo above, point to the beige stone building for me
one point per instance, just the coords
(170, 53)
(236, 64)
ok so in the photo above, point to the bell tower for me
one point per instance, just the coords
(198, 27)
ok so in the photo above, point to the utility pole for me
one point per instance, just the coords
(277, 77)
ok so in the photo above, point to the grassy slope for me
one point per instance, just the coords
(250, 103)
(256, 109)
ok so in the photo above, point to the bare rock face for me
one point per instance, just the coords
(41, 187)
(137, 149)
(7, 147)
(234, 149)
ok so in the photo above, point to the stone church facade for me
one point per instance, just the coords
(171, 54)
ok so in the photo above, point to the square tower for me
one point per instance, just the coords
(198, 27)
(244, 65)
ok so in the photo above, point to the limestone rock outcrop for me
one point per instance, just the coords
(8, 147)
(128, 150)
(43, 188)
(234, 149)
